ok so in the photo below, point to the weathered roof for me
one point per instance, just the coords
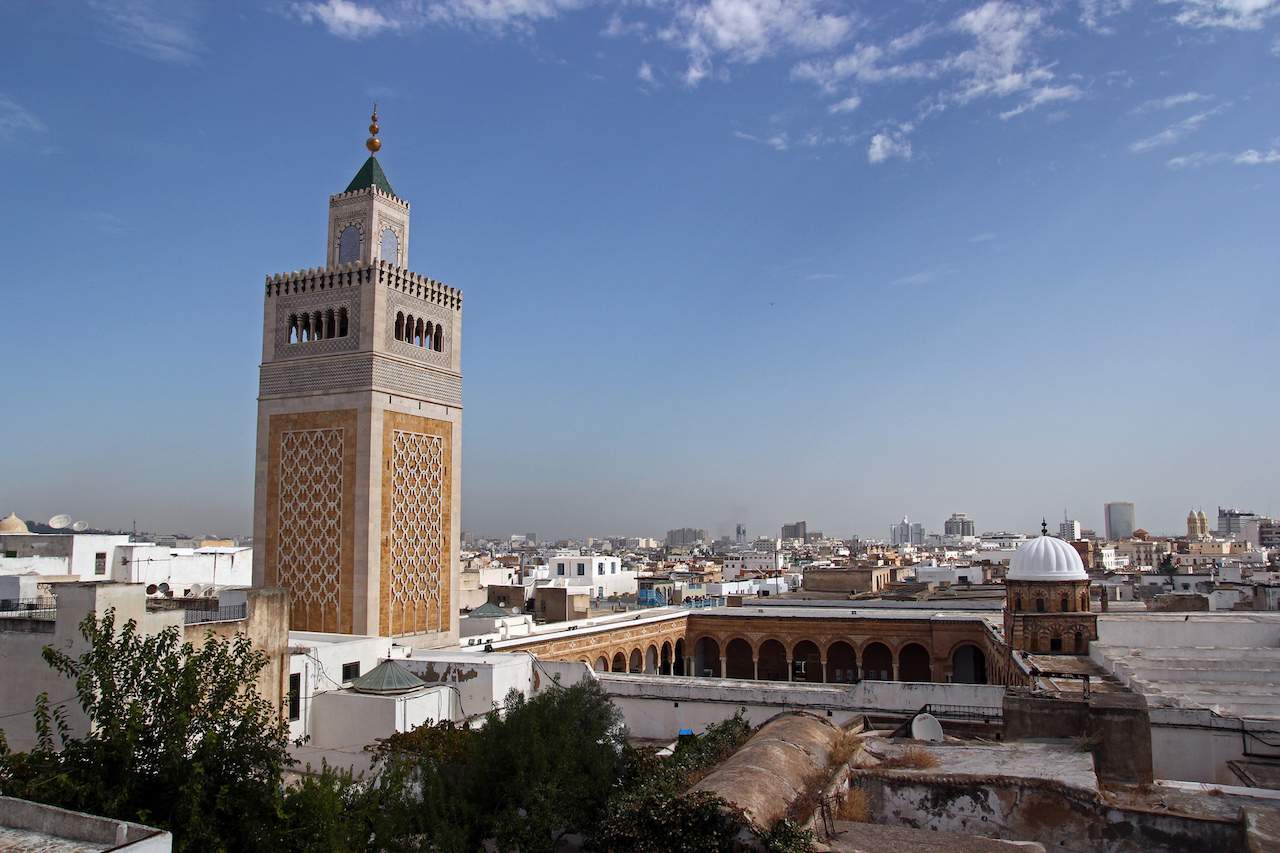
(489, 610)
(386, 678)
(370, 175)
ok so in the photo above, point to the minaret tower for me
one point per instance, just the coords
(357, 487)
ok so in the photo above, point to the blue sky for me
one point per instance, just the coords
(723, 261)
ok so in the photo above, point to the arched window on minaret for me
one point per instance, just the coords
(293, 328)
(389, 246)
(304, 334)
(349, 245)
(1017, 602)
(399, 325)
(330, 328)
(1084, 601)
(426, 335)
(417, 333)
(1040, 605)
(437, 345)
(342, 322)
(408, 329)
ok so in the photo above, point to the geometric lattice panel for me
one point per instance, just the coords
(309, 538)
(417, 551)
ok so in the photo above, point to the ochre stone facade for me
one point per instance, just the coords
(417, 499)
(310, 510)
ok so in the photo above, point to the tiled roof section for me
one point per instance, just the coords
(387, 677)
(370, 175)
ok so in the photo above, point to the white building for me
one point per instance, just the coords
(605, 575)
(752, 562)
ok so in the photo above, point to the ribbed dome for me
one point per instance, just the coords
(12, 524)
(1046, 558)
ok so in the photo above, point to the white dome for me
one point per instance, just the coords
(1046, 558)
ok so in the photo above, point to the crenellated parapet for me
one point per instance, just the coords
(354, 274)
(337, 199)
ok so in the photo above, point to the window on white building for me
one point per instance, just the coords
(559, 568)
(582, 569)
(295, 696)
(600, 569)
(351, 671)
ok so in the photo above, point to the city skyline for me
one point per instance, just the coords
(850, 258)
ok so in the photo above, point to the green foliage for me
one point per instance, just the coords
(659, 820)
(177, 737)
(1166, 566)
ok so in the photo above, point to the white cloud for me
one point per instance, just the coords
(617, 27)
(1174, 132)
(846, 105)
(1228, 14)
(749, 30)
(1094, 12)
(163, 31)
(345, 19)
(645, 73)
(16, 120)
(778, 141)
(1170, 101)
(1044, 95)
(1253, 157)
(888, 144)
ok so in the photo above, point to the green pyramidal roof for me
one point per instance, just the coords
(370, 175)
(488, 610)
(387, 677)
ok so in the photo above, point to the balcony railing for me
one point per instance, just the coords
(29, 608)
(229, 613)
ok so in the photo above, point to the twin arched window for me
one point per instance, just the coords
(318, 326)
(419, 332)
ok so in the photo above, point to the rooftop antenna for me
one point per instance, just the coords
(1044, 527)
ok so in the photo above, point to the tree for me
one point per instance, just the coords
(178, 737)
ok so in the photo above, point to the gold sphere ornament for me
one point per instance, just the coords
(374, 144)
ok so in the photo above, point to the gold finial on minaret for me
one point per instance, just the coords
(373, 143)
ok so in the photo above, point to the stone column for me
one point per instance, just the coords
(791, 670)
(723, 665)
(895, 669)
(755, 665)
(688, 666)
(823, 663)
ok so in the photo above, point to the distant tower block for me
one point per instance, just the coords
(356, 508)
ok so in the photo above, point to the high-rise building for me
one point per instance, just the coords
(1069, 529)
(906, 532)
(1231, 522)
(359, 449)
(683, 537)
(1119, 519)
(740, 534)
(959, 524)
(796, 530)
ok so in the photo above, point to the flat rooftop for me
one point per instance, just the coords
(1053, 761)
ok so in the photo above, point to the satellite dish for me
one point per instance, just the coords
(163, 589)
(80, 526)
(926, 727)
(58, 522)
(152, 589)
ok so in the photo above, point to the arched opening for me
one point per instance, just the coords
(602, 664)
(913, 663)
(1039, 605)
(349, 245)
(390, 245)
(678, 665)
(342, 322)
(305, 334)
(438, 342)
(739, 662)
(706, 658)
(1080, 646)
(1055, 644)
(664, 660)
(330, 327)
(772, 665)
(842, 663)
(651, 660)
(637, 661)
(877, 662)
(1084, 601)
(426, 335)
(408, 329)
(1066, 604)
(1017, 602)
(399, 325)
(619, 663)
(968, 665)
(806, 662)
(317, 326)
(293, 328)
(417, 333)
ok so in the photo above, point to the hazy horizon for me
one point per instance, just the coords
(730, 262)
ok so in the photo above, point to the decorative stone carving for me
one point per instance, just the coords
(309, 541)
(417, 545)
(360, 373)
(288, 306)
